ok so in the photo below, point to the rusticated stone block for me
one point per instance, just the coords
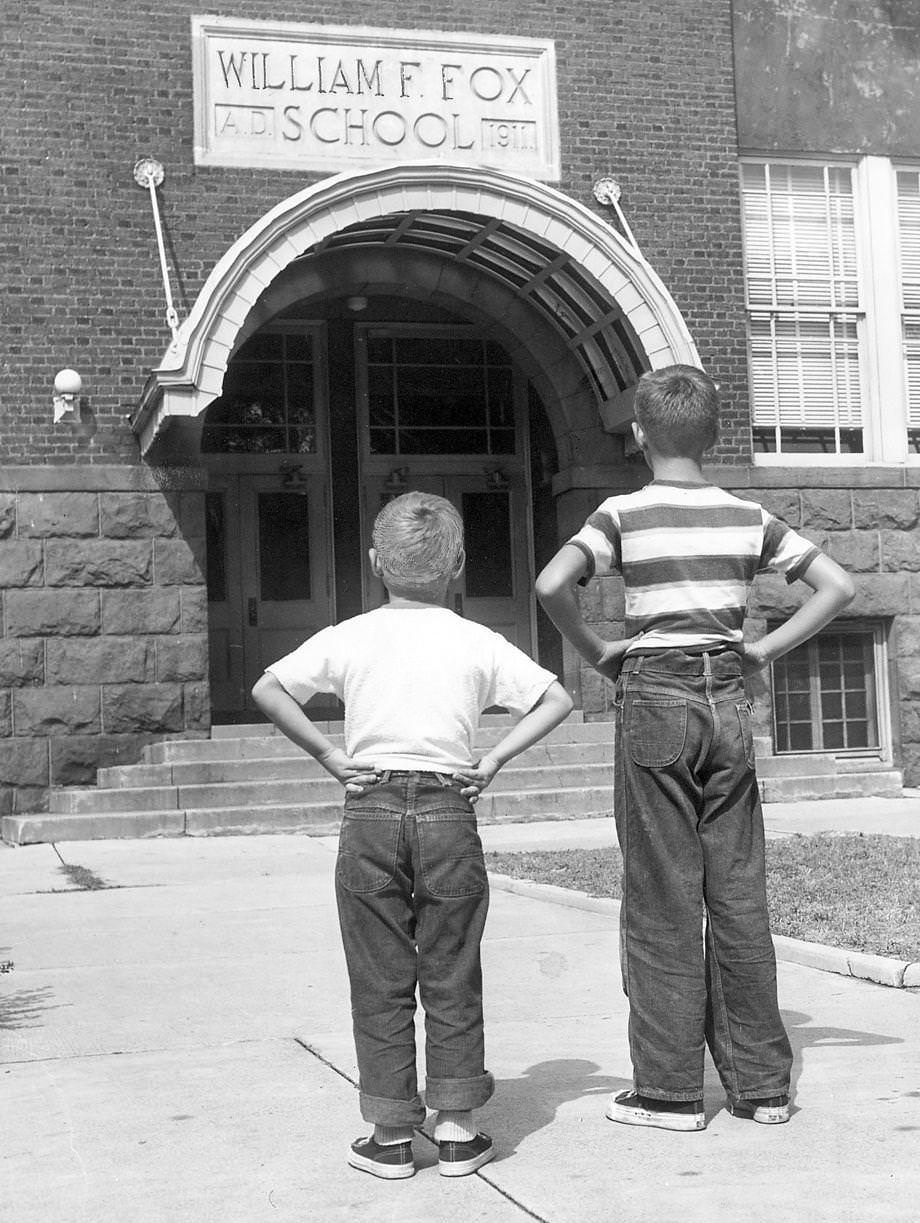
(56, 711)
(782, 503)
(197, 698)
(140, 611)
(909, 720)
(900, 551)
(103, 563)
(879, 594)
(910, 763)
(827, 509)
(855, 551)
(48, 613)
(100, 660)
(182, 658)
(589, 602)
(890, 508)
(21, 662)
(908, 636)
(51, 514)
(596, 692)
(142, 707)
(6, 713)
(909, 677)
(20, 563)
(613, 598)
(194, 609)
(24, 762)
(75, 760)
(773, 599)
(23, 800)
(7, 515)
(179, 562)
(135, 516)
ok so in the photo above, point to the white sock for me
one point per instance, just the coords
(454, 1125)
(390, 1135)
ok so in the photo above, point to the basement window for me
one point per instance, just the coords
(829, 694)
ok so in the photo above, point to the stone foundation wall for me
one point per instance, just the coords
(868, 521)
(103, 635)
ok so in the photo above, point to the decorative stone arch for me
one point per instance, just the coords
(192, 371)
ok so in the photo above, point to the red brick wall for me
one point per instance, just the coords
(645, 91)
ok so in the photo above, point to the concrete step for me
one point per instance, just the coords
(298, 764)
(75, 800)
(249, 730)
(796, 765)
(320, 818)
(878, 783)
(264, 746)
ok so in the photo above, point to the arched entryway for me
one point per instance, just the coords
(425, 326)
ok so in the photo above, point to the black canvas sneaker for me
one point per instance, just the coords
(462, 1158)
(770, 1110)
(391, 1162)
(633, 1109)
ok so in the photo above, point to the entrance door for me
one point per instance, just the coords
(443, 411)
(274, 591)
(494, 588)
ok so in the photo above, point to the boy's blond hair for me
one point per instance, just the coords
(677, 408)
(419, 542)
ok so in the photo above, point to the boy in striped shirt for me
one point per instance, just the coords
(686, 800)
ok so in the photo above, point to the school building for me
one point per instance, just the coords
(264, 269)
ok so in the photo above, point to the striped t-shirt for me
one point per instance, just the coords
(688, 554)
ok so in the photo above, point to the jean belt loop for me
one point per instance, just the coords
(639, 662)
(707, 664)
(385, 775)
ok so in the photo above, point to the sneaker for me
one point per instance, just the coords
(770, 1110)
(462, 1158)
(633, 1109)
(391, 1162)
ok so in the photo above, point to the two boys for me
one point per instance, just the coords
(411, 886)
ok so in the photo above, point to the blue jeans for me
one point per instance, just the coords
(696, 953)
(413, 895)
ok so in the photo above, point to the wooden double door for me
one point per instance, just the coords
(287, 534)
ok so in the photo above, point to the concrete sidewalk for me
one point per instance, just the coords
(177, 1047)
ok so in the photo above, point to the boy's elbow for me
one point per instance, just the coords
(545, 588)
(261, 687)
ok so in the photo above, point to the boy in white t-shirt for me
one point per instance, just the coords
(411, 883)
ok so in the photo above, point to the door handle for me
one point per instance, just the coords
(253, 611)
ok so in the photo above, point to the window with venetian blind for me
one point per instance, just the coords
(804, 308)
(908, 183)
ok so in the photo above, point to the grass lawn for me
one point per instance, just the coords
(857, 892)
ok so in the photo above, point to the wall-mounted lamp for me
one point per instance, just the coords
(356, 304)
(67, 387)
(607, 191)
(397, 481)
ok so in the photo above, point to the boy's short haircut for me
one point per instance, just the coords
(419, 540)
(678, 410)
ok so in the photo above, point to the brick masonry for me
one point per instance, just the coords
(104, 631)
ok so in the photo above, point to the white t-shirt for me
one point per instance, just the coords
(414, 681)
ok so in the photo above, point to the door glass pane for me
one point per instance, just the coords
(487, 523)
(284, 547)
(216, 547)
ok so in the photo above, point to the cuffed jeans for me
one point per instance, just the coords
(413, 895)
(690, 828)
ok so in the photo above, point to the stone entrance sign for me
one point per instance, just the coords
(306, 97)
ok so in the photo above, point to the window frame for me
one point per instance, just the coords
(877, 631)
(881, 356)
